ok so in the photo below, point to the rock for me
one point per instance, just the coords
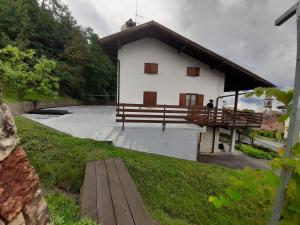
(18, 184)
(36, 212)
(19, 220)
(2, 223)
(8, 132)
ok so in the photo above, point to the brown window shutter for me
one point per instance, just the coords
(150, 98)
(154, 68)
(193, 71)
(147, 68)
(200, 100)
(151, 68)
(182, 100)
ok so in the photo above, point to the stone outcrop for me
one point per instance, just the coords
(18, 184)
(21, 199)
(8, 132)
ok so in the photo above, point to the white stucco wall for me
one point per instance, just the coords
(171, 79)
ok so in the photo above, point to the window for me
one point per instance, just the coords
(189, 99)
(193, 71)
(150, 98)
(151, 68)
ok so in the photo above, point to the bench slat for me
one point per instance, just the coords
(134, 200)
(88, 193)
(122, 211)
(106, 213)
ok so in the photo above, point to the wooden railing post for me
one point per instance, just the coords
(123, 119)
(164, 119)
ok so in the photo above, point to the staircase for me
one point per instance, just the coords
(119, 139)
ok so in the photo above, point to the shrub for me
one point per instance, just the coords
(254, 152)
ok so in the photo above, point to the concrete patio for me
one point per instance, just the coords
(179, 141)
(98, 122)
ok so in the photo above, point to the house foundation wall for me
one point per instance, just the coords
(209, 142)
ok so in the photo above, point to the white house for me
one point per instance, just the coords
(157, 66)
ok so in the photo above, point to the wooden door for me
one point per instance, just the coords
(150, 98)
(189, 99)
(182, 100)
(200, 100)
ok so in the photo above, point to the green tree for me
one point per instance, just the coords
(101, 75)
(27, 73)
(48, 27)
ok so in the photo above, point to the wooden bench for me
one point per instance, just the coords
(109, 196)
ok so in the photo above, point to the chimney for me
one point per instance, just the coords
(129, 24)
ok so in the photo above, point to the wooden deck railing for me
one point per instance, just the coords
(202, 116)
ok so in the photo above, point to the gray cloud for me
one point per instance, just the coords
(240, 30)
(87, 15)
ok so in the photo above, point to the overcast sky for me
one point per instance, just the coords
(240, 30)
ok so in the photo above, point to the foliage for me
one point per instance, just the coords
(64, 210)
(255, 152)
(48, 27)
(99, 74)
(285, 97)
(279, 135)
(251, 133)
(266, 133)
(248, 182)
(175, 191)
(28, 74)
(291, 211)
(249, 110)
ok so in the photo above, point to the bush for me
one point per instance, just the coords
(266, 133)
(254, 152)
(266, 149)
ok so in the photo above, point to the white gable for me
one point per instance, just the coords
(171, 79)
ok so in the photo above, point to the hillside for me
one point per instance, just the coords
(174, 191)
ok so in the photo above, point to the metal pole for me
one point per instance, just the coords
(233, 129)
(294, 127)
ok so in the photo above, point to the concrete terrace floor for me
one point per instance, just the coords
(98, 122)
(179, 141)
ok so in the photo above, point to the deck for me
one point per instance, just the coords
(202, 116)
(109, 196)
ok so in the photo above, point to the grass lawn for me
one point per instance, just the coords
(175, 191)
(10, 95)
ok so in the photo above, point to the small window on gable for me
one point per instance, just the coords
(151, 68)
(193, 71)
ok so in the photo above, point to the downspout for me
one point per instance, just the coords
(118, 81)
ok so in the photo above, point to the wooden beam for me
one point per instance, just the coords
(287, 15)
(183, 47)
(218, 66)
(151, 33)
(119, 43)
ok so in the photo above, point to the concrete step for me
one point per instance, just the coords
(102, 134)
(119, 142)
(113, 135)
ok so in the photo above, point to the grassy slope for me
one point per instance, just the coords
(10, 95)
(175, 191)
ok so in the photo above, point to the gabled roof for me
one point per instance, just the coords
(236, 77)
